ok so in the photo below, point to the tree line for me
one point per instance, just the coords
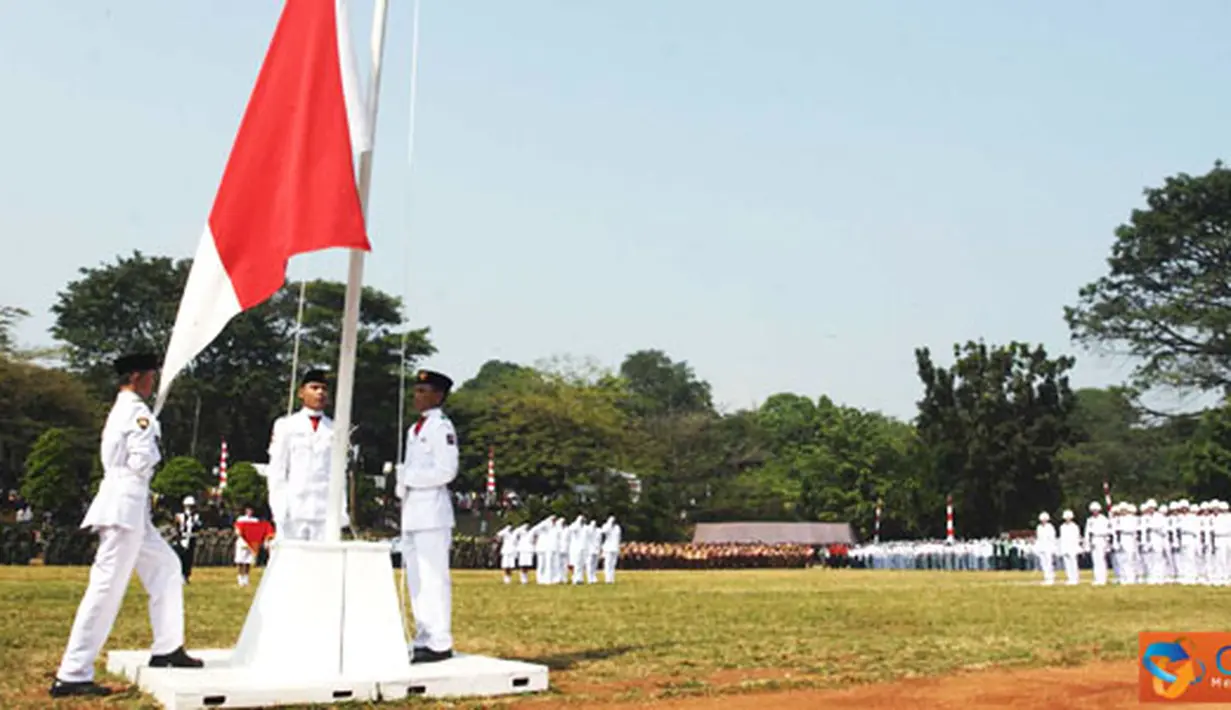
(999, 426)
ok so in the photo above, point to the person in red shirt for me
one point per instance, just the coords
(251, 534)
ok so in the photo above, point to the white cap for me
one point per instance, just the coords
(1067, 514)
(1129, 508)
(1150, 504)
(189, 500)
(1044, 517)
(1095, 507)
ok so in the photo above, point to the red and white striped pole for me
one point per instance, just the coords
(949, 518)
(1107, 494)
(222, 467)
(491, 473)
(876, 537)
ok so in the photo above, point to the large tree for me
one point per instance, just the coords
(57, 475)
(34, 399)
(1205, 458)
(1114, 443)
(991, 426)
(661, 386)
(236, 387)
(1166, 299)
(549, 431)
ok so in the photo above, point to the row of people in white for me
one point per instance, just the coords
(1169, 543)
(558, 549)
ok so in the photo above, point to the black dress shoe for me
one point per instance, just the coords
(64, 689)
(427, 655)
(176, 659)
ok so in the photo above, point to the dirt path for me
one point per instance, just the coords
(1095, 686)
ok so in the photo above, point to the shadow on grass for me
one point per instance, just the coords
(567, 661)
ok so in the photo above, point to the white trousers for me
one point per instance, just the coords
(1071, 572)
(1136, 565)
(1222, 556)
(303, 530)
(1155, 564)
(1047, 563)
(591, 568)
(542, 567)
(1098, 562)
(425, 555)
(1186, 565)
(609, 566)
(120, 550)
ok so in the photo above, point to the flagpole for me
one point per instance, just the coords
(354, 290)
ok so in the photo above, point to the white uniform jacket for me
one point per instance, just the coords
(129, 451)
(425, 475)
(1045, 539)
(298, 471)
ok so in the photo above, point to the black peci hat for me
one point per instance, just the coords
(135, 362)
(315, 374)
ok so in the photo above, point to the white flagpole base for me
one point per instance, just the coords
(325, 626)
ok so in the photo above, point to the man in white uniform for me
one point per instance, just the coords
(1045, 548)
(1222, 543)
(127, 540)
(559, 573)
(1098, 537)
(508, 537)
(525, 551)
(300, 454)
(1187, 529)
(594, 541)
(1070, 547)
(544, 548)
(187, 525)
(577, 549)
(1153, 543)
(427, 517)
(1130, 537)
(611, 549)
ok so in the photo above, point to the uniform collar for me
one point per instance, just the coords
(128, 396)
(312, 413)
(430, 413)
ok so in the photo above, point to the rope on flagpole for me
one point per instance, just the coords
(290, 398)
(410, 159)
(403, 592)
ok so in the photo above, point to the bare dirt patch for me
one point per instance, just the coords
(1102, 685)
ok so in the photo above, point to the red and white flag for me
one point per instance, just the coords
(289, 185)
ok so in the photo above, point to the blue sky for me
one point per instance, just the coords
(790, 198)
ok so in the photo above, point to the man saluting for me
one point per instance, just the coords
(427, 517)
(127, 539)
(300, 452)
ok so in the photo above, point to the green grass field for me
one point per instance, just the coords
(663, 634)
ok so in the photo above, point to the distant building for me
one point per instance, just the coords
(587, 490)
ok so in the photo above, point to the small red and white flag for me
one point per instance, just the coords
(491, 471)
(222, 467)
(289, 185)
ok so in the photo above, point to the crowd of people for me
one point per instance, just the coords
(1170, 543)
(560, 553)
(658, 555)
